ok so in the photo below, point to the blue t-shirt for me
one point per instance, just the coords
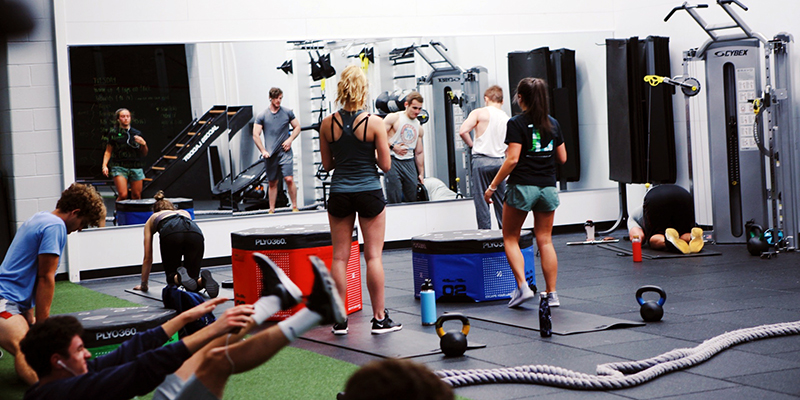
(44, 233)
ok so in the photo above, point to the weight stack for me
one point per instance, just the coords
(640, 118)
(557, 68)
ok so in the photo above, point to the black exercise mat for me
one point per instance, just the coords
(405, 343)
(565, 322)
(150, 294)
(651, 254)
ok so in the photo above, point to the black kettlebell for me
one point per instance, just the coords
(453, 344)
(756, 243)
(651, 311)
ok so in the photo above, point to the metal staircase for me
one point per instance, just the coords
(191, 144)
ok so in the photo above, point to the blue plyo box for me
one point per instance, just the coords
(133, 212)
(468, 265)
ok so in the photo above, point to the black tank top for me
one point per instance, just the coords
(355, 159)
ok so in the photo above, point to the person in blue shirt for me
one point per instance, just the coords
(27, 274)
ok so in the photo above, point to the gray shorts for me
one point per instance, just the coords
(280, 164)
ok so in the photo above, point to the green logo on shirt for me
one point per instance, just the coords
(536, 141)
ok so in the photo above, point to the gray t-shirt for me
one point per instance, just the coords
(277, 128)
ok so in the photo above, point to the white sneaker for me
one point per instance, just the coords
(520, 296)
(552, 299)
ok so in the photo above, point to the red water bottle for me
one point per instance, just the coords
(637, 249)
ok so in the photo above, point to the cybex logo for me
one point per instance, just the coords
(450, 79)
(270, 242)
(731, 53)
(419, 245)
(493, 245)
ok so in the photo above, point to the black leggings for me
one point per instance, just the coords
(668, 206)
(188, 246)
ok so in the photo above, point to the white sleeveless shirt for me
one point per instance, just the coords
(492, 142)
(407, 135)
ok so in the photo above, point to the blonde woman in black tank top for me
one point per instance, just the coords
(344, 204)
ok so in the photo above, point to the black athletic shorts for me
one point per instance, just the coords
(367, 204)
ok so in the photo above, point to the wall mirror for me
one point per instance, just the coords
(180, 92)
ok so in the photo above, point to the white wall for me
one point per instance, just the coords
(37, 121)
(119, 244)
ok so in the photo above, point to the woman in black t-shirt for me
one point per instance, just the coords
(124, 156)
(534, 145)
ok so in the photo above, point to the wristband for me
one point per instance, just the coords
(391, 147)
(494, 189)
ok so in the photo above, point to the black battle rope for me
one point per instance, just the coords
(617, 375)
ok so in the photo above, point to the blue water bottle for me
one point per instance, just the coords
(545, 323)
(427, 300)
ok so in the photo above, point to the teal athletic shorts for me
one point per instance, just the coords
(532, 198)
(131, 174)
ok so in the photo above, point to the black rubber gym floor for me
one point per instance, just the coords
(706, 297)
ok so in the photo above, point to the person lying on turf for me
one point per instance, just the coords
(54, 348)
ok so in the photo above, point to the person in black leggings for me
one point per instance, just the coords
(666, 221)
(180, 238)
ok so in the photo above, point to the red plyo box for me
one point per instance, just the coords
(289, 247)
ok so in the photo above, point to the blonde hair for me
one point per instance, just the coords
(352, 87)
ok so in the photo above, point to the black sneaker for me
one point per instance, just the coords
(187, 281)
(385, 325)
(340, 329)
(274, 282)
(211, 286)
(324, 298)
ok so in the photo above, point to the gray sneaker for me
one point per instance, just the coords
(552, 299)
(520, 296)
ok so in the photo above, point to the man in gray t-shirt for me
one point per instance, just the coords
(276, 147)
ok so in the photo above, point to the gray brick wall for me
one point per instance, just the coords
(30, 150)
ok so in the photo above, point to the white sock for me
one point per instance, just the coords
(299, 323)
(265, 308)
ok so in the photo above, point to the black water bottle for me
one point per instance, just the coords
(545, 323)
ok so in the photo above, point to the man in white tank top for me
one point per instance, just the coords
(488, 153)
(408, 159)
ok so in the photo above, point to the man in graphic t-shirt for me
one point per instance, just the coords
(408, 159)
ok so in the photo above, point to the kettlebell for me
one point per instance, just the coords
(453, 344)
(651, 311)
(756, 243)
